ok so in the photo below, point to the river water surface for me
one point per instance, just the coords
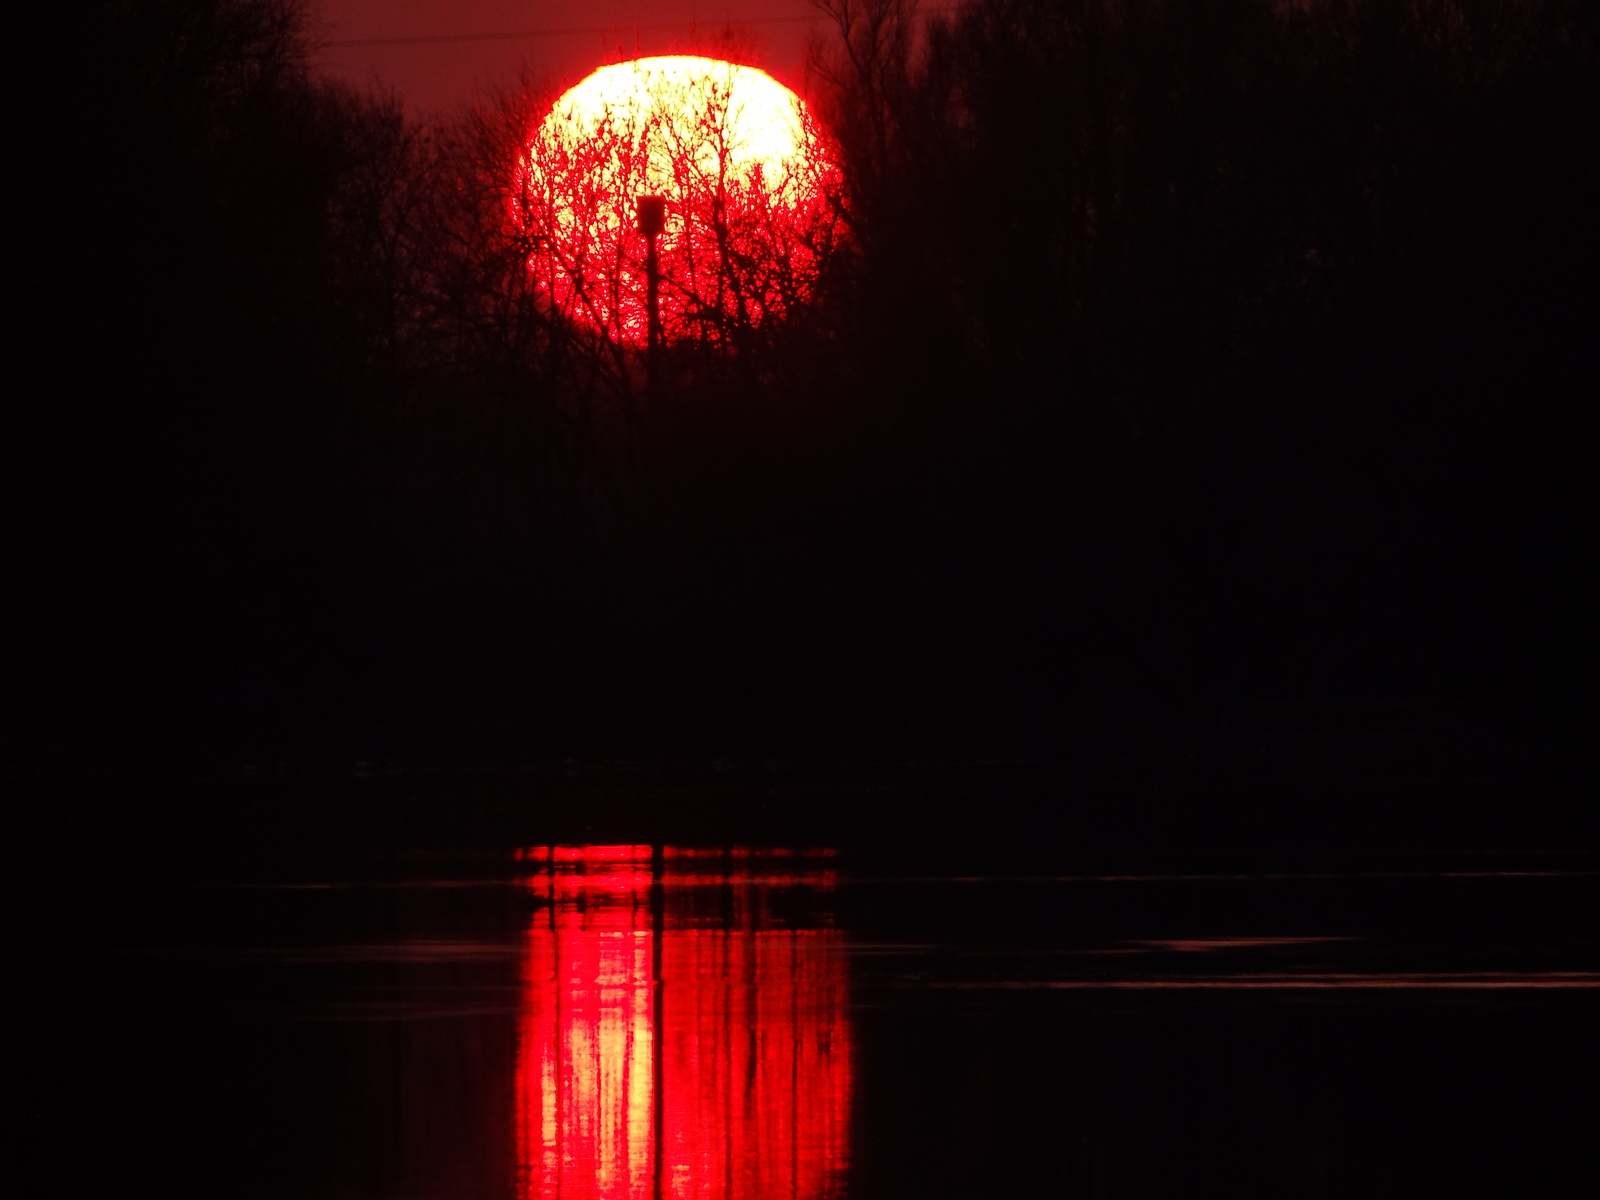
(628, 1022)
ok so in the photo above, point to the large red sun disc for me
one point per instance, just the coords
(748, 189)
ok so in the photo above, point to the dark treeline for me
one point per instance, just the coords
(1189, 358)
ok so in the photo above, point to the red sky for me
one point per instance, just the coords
(577, 36)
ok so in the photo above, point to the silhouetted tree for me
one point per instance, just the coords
(1145, 352)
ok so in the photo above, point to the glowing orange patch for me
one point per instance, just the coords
(680, 1038)
(747, 184)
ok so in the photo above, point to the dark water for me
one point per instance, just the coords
(723, 1023)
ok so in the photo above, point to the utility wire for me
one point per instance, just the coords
(574, 31)
(579, 30)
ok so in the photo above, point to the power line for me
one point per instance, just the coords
(580, 30)
(573, 31)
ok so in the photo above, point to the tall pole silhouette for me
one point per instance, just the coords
(652, 219)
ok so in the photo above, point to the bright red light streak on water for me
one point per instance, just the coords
(677, 1038)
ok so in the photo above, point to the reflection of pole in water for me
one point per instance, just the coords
(658, 929)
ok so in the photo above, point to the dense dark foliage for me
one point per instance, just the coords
(1191, 357)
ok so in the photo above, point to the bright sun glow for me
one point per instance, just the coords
(761, 121)
(748, 185)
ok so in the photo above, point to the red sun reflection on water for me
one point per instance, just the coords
(750, 188)
(678, 1039)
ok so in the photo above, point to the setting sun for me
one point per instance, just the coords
(747, 183)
